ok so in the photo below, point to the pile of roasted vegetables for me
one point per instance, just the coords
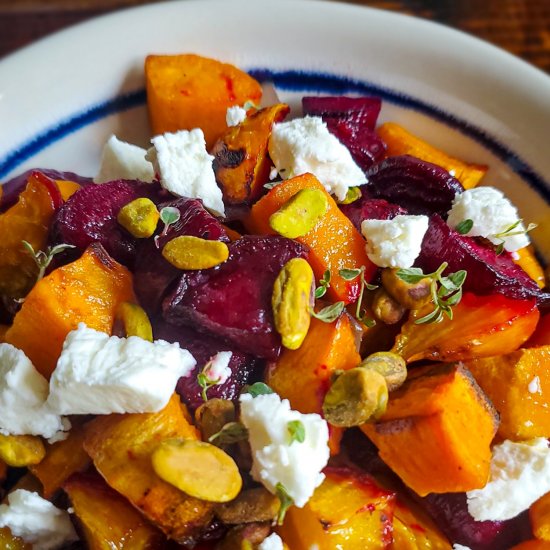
(419, 372)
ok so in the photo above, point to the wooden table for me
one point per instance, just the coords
(520, 26)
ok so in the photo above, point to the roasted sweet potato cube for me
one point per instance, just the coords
(533, 544)
(121, 447)
(518, 384)
(334, 242)
(62, 459)
(303, 376)
(401, 142)
(189, 91)
(107, 519)
(527, 260)
(437, 430)
(539, 515)
(87, 290)
(348, 510)
(241, 163)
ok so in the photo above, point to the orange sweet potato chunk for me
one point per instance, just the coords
(241, 162)
(518, 384)
(426, 434)
(539, 515)
(482, 326)
(334, 242)
(67, 188)
(9, 542)
(527, 260)
(107, 519)
(62, 459)
(121, 447)
(189, 91)
(532, 545)
(303, 376)
(348, 510)
(29, 220)
(87, 290)
(401, 142)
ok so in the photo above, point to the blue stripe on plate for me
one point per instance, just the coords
(290, 80)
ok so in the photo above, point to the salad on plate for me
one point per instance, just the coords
(270, 330)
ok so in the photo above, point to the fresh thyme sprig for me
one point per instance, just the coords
(446, 292)
(324, 284)
(169, 215)
(296, 431)
(328, 314)
(351, 275)
(286, 502)
(44, 259)
(510, 232)
(232, 432)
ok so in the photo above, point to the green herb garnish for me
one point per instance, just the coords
(464, 226)
(258, 388)
(169, 215)
(510, 232)
(43, 259)
(324, 285)
(351, 275)
(329, 313)
(297, 431)
(232, 432)
(286, 502)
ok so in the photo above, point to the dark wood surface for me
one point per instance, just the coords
(520, 26)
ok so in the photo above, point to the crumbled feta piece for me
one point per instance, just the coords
(217, 371)
(534, 385)
(185, 167)
(396, 242)
(36, 521)
(273, 542)
(278, 459)
(121, 160)
(101, 374)
(273, 173)
(235, 115)
(306, 145)
(492, 214)
(519, 469)
(23, 394)
(460, 547)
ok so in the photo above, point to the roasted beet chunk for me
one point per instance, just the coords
(90, 215)
(366, 208)
(487, 271)
(450, 512)
(202, 348)
(152, 273)
(233, 301)
(352, 121)
(418, 186)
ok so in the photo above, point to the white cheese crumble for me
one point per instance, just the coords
(23, 394)
(217, 370)
(273, 542)
(278, 459)
(521, 470)
(492, 214)
(396, 242)
(235, 115)
(121, 160)
(534, 385)
(101, 374)
(36, 521)
(305, 145)
(185, 167)
(460, 547)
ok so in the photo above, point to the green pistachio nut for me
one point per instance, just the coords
(386, 309)
(357, 396)
(188, 252)
(291, 302)
(139, 217)
(300, 214)
(409, 295)
(390, 365)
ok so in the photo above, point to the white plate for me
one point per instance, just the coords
(61, 97)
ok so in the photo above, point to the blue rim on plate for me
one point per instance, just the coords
(289, 80)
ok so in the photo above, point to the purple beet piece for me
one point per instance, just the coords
(352, 121)
(366, 208)
(202, 348)
(488, 272)
(358, 111)
(233, 301)
(90, 216)
(450, 512)
(418, 186)
(13, 187)
(152, 273)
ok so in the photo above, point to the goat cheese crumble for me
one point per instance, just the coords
(235, 115)
(395, 242)
(36, 520)
(305, 145)
(121, 160)
(101, 374)
(492, 214)
(273, 542)
(217, 371)
(185, 167)
(519, 469)
(23, 394)
(276, 457)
